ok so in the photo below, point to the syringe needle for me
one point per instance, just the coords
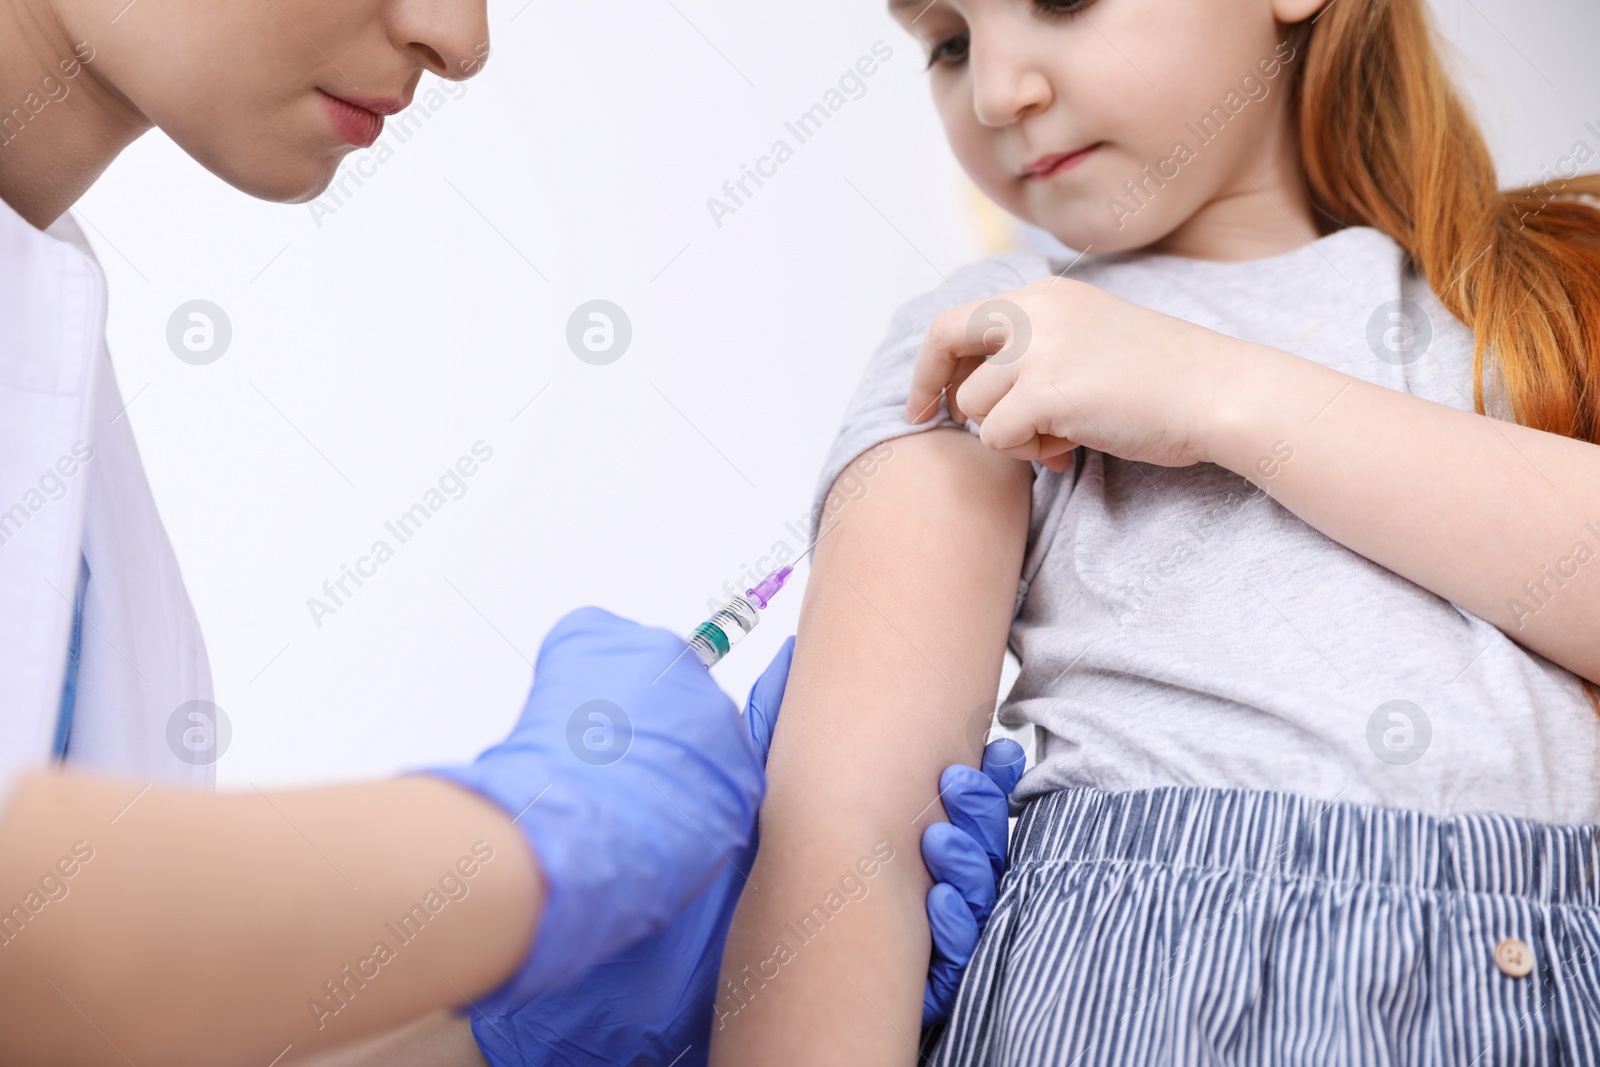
(712, 639)
(815, 543)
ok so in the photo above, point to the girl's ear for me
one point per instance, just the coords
(1290, 12)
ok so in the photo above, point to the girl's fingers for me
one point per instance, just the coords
(948, 342)
(1015, 428)
(1051, 447)
(984, 389)
(1010, 423)
(963, 371)
(1054, 453)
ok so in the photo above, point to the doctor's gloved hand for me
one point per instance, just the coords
(654, 1002)
(631, 776)
(967, 857)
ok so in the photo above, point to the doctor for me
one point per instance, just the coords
(579, 909)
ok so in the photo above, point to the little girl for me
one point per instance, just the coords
(1285, 492)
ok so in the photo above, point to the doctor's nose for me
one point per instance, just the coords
(449, 38)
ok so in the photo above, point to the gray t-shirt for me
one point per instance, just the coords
(1178, 626)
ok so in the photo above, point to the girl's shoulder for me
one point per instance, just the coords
(1360, 248)
(996, 274)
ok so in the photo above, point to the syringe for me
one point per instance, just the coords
(713, 639)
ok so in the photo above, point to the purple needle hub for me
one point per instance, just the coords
(768, 587)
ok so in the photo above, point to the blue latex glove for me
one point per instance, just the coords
(966, 857)
(654, 1001)
(632, 777)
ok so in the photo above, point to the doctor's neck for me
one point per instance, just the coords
(61, 122)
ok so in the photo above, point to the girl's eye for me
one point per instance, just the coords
(952, 51)
(1061, 7)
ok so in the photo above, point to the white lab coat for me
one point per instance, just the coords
(141, 652)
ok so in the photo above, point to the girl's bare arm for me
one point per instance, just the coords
(1496, 517)
(443, 1039)
(895, 673)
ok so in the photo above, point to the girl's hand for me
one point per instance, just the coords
(1060, 364)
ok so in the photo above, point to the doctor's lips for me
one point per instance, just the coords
(1056, 162)
(359, 119)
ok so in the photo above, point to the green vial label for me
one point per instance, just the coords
(718, 639)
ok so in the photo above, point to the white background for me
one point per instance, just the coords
(371, 351)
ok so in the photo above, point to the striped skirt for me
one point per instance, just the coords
(1215, 926)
